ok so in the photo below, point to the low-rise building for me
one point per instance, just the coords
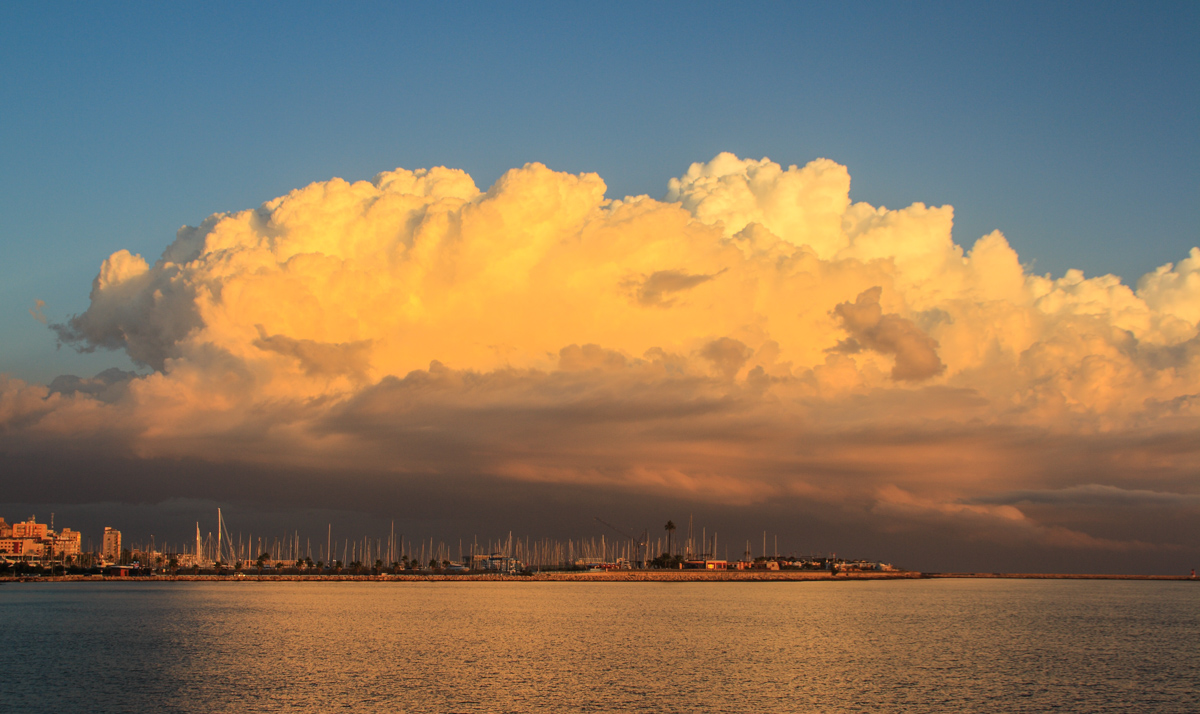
(30, 540)
(495, 562)
(14, 548)
(30, 529)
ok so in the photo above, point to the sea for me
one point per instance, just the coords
(969, 645)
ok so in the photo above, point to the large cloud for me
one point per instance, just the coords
(755, 336)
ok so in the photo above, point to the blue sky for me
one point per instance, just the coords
(1070, 127)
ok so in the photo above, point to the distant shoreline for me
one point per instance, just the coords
(652, 576)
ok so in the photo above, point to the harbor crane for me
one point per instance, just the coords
(638, 542)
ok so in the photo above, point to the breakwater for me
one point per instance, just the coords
(667, 576)
(664, 576)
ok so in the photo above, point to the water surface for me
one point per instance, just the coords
(937, 646)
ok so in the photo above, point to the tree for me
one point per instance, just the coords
(666, 560)
(670, 528)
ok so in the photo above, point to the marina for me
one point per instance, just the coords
(30, 548)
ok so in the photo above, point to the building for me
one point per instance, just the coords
(14, 549)
(67, 544)
(112, 545)
(31, 540)
(30, 529)
(767, 564)
(495, 562)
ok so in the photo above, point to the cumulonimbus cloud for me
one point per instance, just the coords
(735, 340)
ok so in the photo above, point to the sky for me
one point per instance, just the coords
(915, 282)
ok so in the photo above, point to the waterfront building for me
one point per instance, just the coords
(30, 540)
(497, 562)
(112, 545)
(30, 529)
(14, 549)
(866, 565)
(25, 541)
(148, 558)
(66, 544)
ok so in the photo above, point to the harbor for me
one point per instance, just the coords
(32, 549)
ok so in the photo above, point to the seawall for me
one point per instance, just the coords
(660, 576)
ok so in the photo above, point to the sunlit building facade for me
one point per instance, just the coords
(30, 540)
(112, 544)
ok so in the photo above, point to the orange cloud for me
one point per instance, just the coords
(754, 336)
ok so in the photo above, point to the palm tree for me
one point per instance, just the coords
(670, 528)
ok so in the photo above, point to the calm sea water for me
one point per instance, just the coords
(938, 646)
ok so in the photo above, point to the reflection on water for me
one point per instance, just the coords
(965, 645)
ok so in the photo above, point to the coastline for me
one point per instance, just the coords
(611, 577)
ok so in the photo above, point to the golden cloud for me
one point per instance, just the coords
(736, 340)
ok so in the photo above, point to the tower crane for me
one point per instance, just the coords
(638, 542)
